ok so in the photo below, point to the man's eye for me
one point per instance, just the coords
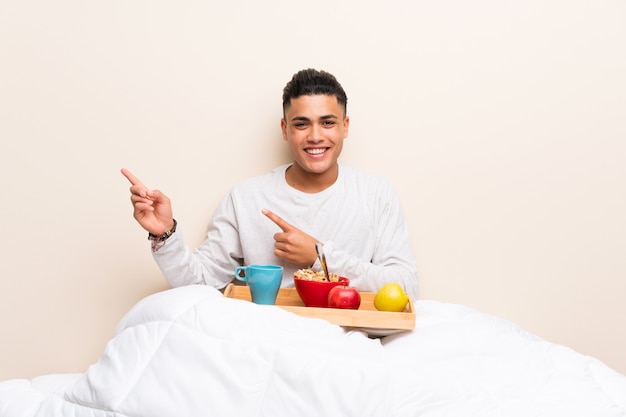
(328, 123)
(300, 125)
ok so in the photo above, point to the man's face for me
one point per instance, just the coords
(315, 127)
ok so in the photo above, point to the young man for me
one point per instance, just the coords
(278, 217)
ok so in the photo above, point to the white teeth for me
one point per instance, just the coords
(316, 151)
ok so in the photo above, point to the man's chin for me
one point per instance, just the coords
(319, 168)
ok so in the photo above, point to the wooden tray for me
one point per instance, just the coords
(367, 318)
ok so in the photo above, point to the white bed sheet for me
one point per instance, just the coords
(191, 352)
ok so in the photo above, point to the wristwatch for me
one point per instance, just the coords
(159, 240)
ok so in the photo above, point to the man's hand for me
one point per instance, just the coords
(152, 208)
(292, 244)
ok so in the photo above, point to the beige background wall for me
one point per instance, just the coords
(502, 125)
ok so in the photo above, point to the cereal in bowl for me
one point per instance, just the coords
(310, 275)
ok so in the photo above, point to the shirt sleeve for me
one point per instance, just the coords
(213, 262)
(392, 260)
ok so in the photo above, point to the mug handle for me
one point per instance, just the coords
(243, 277)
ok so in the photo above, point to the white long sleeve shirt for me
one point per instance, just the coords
(358, 219)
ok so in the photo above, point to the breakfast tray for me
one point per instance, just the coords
(366, 318)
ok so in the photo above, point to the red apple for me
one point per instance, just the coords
(342, 296)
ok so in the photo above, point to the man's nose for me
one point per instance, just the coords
(315, 134)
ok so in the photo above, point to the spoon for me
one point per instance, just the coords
(319, 248)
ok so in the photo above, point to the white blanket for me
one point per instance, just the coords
(191, 352)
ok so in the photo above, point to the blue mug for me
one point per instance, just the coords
(263, 280)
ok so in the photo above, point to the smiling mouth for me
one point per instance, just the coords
(315, 151)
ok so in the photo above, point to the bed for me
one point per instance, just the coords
(192, 352)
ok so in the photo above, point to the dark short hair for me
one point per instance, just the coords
(309, 82)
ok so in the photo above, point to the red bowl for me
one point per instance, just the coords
(315, 293)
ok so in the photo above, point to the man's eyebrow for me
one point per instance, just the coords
(306, 119)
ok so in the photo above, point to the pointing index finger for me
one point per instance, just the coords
(130, 177)
(277, 219)
(137, 187)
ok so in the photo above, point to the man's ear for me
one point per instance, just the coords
(283, 128)
(346, 124)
